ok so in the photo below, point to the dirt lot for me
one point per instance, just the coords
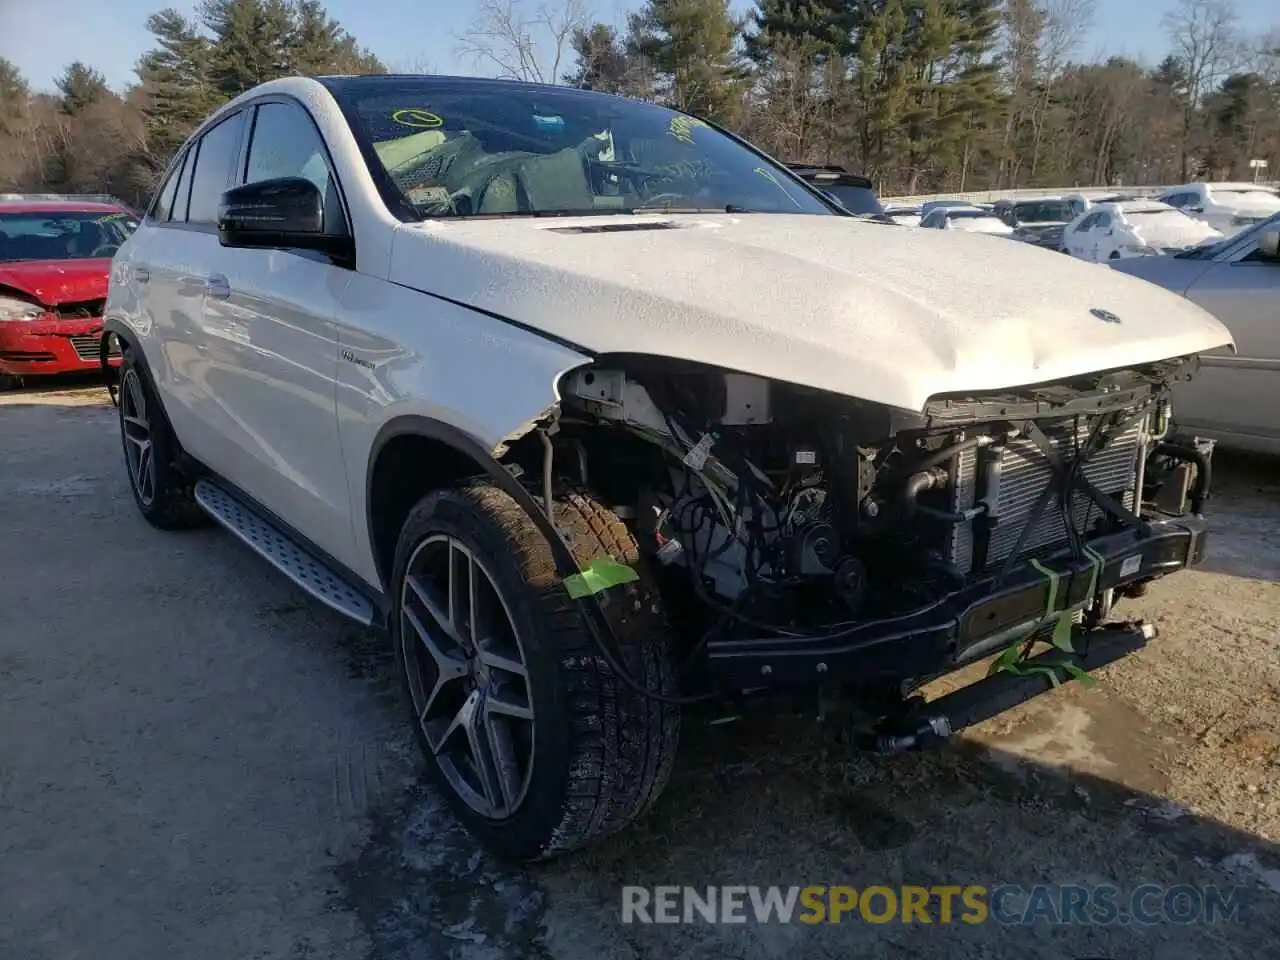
(195, 761)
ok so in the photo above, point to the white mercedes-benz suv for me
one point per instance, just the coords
(600, 412)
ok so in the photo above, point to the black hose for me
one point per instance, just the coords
(946, 453)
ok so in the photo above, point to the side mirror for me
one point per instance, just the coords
(287, 212)
(1269, 245)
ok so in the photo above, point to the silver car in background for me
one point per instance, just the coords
(1236, 397)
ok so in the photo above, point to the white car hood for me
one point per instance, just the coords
(1172, 232)
(867, 310)
(1247, 205)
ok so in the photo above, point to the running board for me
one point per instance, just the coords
(284, 553)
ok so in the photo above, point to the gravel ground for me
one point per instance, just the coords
(196, 761)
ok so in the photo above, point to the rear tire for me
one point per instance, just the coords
(9, 381)
(596, 753)
(164, 495)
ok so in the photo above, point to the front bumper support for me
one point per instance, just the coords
(962, 626)
(938, 719)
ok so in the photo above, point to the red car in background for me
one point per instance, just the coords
(55, 257)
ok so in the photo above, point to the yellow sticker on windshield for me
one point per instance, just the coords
(682, 128)
(413, 117)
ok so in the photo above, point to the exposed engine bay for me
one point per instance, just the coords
(795, 512)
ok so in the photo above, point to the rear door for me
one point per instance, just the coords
(1239, 394)
(173, 264)
(274, 371)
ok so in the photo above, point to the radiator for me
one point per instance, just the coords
(1024, 473)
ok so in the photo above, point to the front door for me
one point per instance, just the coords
(272, 313)
(1240, 394)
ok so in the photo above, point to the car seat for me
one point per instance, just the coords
(557, 181)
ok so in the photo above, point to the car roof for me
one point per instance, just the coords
(1131, 206)
(59, 206)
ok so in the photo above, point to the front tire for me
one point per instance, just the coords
(538, 746)
(163, 494)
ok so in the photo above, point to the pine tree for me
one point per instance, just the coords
(691, 48)
(823, 26)
(250, 42)
(176, 85)
(81, 86)
(602, 63)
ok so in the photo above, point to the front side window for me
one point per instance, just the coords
(217, 153)
(454, 148)
(1088, 223)
(62, 236)
(285, 143)
(1043, 211)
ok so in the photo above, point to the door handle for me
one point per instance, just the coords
(218, 287)
(141, 273)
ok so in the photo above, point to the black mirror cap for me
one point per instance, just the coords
(287, 206)
(284, 213)
(1269, 245)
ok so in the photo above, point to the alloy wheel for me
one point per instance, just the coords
(468, 677)
(139, 452)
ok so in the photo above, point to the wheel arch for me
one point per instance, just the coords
(413, 454)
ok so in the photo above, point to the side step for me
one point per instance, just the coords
(284, 553)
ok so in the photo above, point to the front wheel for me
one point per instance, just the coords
(163, 495)
(536, 743)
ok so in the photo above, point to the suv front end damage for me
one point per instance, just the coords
(811, 540)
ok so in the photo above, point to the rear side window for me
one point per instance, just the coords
(179, 212)
(219, 149)
(163, 202)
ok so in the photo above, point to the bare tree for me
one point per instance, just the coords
(1064, 23)
(1204, 41)
(521, 42)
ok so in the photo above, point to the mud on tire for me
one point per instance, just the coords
(164, 496)
(602, 753)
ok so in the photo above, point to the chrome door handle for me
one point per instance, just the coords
(218, 287)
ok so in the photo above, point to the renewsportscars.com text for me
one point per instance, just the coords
(1146, 904)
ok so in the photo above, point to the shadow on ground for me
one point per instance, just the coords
(785, 802)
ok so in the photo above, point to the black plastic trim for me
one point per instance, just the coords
(964, 625)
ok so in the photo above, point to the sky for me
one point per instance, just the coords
(42, 36)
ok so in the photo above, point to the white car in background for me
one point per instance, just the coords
(903, 214)
(1227, 207)
(1133, 228)
(971, 219)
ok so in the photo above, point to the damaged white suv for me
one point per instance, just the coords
(601, 412)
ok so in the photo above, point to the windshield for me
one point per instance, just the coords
(75, 235)
(1044, 211)
(1212, 250)
(854, 199)
(455, 148)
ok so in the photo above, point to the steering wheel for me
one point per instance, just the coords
(109, 248)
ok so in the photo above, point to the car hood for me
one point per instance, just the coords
(861, 309)
(1174, 232)
(1247, 206)
(52, 282)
